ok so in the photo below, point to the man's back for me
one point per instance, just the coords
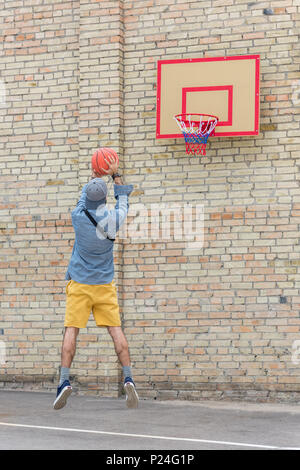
(92, 256)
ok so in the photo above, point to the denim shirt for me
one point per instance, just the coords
(92, 256)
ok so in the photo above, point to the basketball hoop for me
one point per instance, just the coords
(196, 129)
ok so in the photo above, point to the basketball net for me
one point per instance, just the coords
(196, 129)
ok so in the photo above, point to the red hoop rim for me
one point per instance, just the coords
(194, 114)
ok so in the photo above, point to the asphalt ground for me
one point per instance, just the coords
(29, 422)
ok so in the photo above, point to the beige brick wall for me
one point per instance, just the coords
(217, 322)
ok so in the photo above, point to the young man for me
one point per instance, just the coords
(90, 273)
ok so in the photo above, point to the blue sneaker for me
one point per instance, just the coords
(63, 393)
(132, 399)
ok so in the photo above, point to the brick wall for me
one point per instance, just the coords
(217, 322)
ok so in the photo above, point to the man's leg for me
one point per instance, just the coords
(120, 343)
(69, 346)
(67, 354)
(122, 350)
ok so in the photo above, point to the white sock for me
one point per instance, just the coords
(127, 372)
(64, 375)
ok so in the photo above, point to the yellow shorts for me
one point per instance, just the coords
(101, 299)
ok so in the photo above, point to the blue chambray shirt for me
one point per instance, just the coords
(92, 256)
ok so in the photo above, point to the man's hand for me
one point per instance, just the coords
(95, 175)
(112, 165)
